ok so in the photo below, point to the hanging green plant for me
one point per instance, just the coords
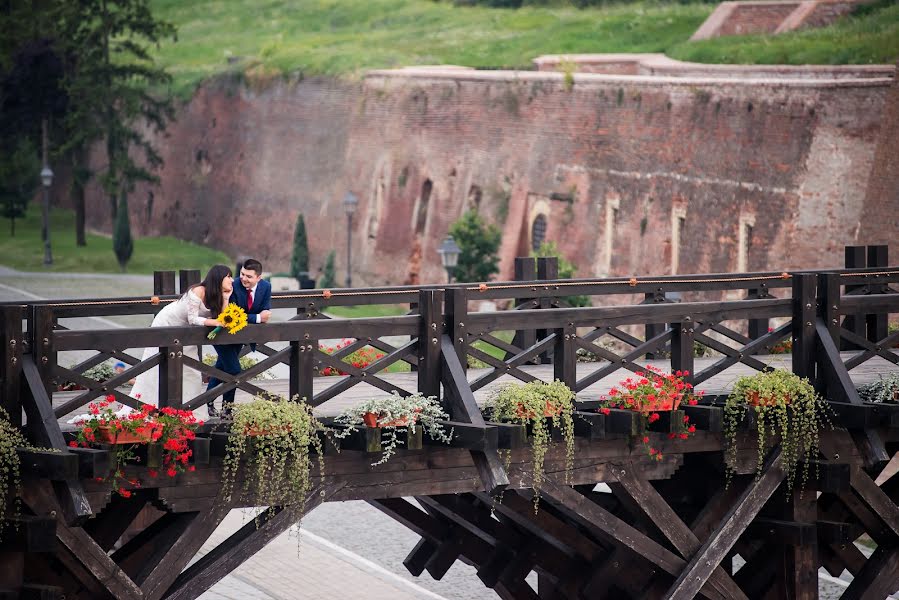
(10, 439)
(532, 404)
(885, 389)
(392, 414)
(785, 406)
(271, 438)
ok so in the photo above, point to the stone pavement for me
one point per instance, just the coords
(312, 569)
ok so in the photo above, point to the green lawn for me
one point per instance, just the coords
(362, 311)
(346, 37)
(264, 40)
(25, 251)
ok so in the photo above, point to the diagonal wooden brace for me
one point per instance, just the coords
(463, 408)
(735, 522)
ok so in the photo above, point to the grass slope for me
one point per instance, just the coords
(25, 251)
(346, 37)
(265, 39)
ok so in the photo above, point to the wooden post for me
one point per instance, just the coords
(799, 567)
(171, 369)
(413, 309)
(682, 335)
(42, 345)
(186, 278)
(456, 315)
(757, 327)
(855, 258)
(547, 270)
(650, 330)
(829, 297)
(163, 283)
(11, 338)
(302, 365)
(804, 311)
(565, 356)
(429, 332)
(878, 324)
(525, 270)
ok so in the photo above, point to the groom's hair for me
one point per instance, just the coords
(251, 264)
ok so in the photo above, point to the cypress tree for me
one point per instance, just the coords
(121, 234)
(329, 273)
(299, 261)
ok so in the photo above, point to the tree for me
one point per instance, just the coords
(116, 95)
(299, 261)
(567, 270)
(329, 272)
(479, 243)
(122, 243)
(19, 179)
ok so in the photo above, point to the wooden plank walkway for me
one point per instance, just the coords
(868, 372)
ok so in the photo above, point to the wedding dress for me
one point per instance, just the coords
(188, 310)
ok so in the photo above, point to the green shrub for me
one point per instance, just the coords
(479, 243)
(299, 261)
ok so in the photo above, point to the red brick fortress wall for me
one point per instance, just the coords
(623, 168)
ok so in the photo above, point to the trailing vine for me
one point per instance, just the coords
(10, 439)
(271, 437)
(785, 406)
(532, 404)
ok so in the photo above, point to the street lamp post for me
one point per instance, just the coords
(449, 255)
(349, 205)
(47, 180)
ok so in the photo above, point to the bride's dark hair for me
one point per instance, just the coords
(213, 284)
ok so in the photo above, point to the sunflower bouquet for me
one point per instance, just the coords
(233, 319)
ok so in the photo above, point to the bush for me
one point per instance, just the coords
(479, 243)
(299, 261)
(121, 234)
(329, 272)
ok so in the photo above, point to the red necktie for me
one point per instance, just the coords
(249, 299)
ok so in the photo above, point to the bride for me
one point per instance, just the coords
(195, 307)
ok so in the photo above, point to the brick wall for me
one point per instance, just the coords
(793, 157)
(772, 16)
(879, 223)
(756, 17)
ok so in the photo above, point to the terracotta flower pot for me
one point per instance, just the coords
(660, 405)
(108, 435)
(755, 400)
(372, 420)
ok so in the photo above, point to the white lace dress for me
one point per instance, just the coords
(188, 310)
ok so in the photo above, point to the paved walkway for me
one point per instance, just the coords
(308, 567)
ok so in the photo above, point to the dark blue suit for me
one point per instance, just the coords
(229, 354)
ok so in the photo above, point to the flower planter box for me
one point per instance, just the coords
(372, 420)
(756, 400)
(660, 405)
(411, 440)
(106, 435)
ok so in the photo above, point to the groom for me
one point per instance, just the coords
(254, 295)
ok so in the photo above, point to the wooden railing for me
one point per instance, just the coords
(559, 332)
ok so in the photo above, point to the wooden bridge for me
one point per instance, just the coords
(669, 529)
